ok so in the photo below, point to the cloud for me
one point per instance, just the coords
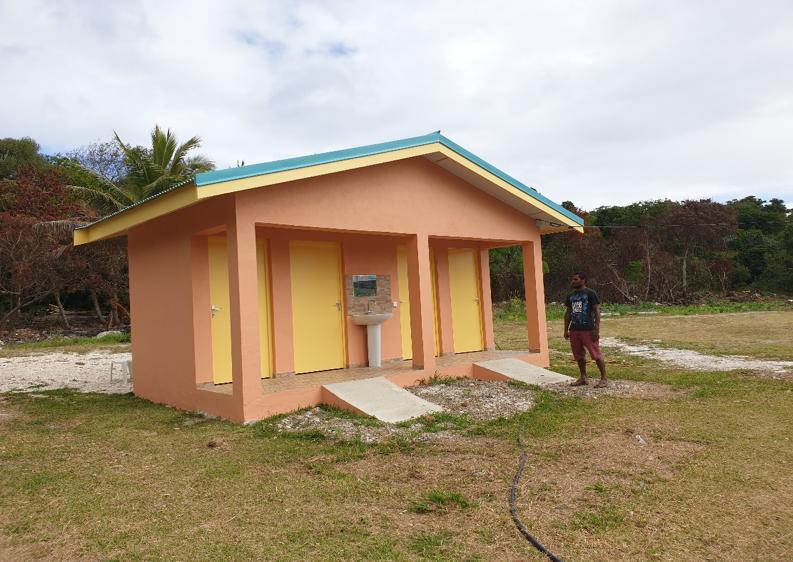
(600, 103)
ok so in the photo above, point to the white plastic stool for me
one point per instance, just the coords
(126, 368)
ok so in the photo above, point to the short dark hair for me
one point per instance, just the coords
(581, 275)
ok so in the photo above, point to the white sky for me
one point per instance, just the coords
(600, 102)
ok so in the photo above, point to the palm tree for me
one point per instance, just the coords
(149, 171)
(165, 165)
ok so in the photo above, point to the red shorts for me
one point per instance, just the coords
(581, 341)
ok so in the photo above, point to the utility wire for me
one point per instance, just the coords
(518, 524)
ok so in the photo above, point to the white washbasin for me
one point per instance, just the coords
(369, 319)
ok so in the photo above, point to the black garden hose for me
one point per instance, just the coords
(518, 524)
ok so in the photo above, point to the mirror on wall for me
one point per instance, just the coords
(364, 285)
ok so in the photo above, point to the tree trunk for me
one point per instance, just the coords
(98, 310)
(19, 306)
(113, 315)
(649, 265)
(685, 263)
(61, 311)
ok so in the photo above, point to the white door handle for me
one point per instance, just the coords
(477, 300)
(214, 308)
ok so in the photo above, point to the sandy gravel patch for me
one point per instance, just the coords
(88, 372)
(465, 398)
(700, 361)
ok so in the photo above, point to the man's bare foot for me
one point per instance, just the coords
(579, 382)
(602, 383)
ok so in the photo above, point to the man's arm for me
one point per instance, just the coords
(567, 318)
(596, 331)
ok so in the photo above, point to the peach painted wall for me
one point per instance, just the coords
(169, 340)
(369, 212)
(402, 197)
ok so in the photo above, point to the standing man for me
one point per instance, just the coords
(582, 328)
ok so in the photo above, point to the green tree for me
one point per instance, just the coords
(18, 153)
(148, 170)
(754, 213)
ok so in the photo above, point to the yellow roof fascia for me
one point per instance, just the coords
(242, 184)
(115, 225)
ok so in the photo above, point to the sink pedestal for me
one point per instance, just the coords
(373, 344)
(372, 323)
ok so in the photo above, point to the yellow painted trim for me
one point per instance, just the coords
(492, 178)
(214, 189)
(265, 319)
(436, 319)
(114, 225)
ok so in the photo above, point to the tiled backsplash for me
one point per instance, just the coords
(380, 304)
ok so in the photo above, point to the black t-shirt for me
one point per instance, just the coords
(582, 312)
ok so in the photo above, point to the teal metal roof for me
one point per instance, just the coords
(219, 176)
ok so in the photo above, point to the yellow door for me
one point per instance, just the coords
(317, 317)
(221, 322)
(221, 318)
(404, 302)
(466, 297)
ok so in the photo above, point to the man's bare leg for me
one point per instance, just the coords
(603, 383)
(582, 380)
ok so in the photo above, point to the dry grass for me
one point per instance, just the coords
(758, 334)
(95, 477)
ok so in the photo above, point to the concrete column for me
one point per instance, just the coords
(422, 325)
(445, 326)
(244, 304)
(281, 282)
(487, 300)
(535, 297)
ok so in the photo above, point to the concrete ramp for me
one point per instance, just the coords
(378, 397)
(518, 370)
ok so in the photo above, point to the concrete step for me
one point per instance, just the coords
(377, 397)
(515, 369)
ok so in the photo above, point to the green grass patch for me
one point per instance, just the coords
(598, 520)
(515, 309)
(431, 546)
(432, 501)
(61, 341)
(438, 379)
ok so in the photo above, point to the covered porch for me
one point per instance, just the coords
(448, 365)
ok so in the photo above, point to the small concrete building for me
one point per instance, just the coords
(252, 287)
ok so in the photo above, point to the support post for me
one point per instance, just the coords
(422, 322)
(244, 304)
(535, 297)
(281, 282)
